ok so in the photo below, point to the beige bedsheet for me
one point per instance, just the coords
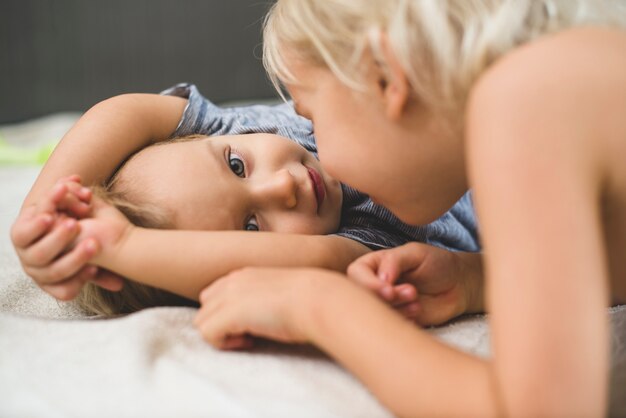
(54, 362)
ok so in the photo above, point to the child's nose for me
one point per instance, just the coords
(279, 190)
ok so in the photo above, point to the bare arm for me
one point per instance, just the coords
(407, 369)
(105, 135)
(185, 262)
(543, 225)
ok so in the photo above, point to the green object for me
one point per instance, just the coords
(10, 154)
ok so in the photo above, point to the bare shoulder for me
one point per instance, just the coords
(566, 55)
(572, 84)
(584, 59)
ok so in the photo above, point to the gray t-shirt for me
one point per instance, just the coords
(361, 219)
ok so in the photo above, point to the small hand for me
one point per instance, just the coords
(264, 302)
(447, 284)
(108, 226)
(43, 233)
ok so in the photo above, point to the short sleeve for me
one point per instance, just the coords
(201, 116)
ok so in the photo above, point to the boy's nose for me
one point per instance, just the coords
(279, 190)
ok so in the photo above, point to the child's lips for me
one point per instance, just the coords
(318, 186)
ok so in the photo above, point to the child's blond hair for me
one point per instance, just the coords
(443, 45)
(94, 300)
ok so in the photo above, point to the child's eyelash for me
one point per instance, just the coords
(233, 153)
(252, 224)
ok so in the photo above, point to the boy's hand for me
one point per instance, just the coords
(446, 284)
(43, 233)
(107, 226)
(264, 302)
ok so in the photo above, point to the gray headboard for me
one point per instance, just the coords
(66, 55)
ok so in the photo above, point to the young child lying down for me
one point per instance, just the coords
(206, 194)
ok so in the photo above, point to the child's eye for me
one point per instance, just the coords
(236, 164)
(251, 225)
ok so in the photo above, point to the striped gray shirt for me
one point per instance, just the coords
(361, 219)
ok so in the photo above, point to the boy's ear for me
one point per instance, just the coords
(394, 84)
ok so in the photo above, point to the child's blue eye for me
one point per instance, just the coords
(251, 225)
(237, 165)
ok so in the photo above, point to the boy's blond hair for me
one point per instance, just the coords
(120, 192)
(443, 45)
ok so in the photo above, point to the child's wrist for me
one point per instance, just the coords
(474, 282)
(309, 312)
(111, 252)
(125, 239)
(326, 296)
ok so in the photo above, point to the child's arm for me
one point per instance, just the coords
(390, 355)
(197, 258)
(106, 135)
(185, 262)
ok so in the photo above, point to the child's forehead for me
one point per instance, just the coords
(266, 143)
(268, 136)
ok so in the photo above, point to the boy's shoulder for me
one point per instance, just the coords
(557, 61)
(569, 75)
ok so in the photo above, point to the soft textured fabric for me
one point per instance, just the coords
(361, 220)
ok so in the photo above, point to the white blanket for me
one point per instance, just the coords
(54, 362)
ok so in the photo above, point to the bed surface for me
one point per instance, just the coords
(55, 362)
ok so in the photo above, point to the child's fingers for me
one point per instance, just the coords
(66, 290)
(74, 206)
(85, 274)
(404, 293)
(76, 199)
(212, 330)
(214, 322)
(107, 280)
(74, 184)
(411, 311)
(363, 272)
(66, 195)
(83, 193)
(50, 201)
(49, 247)
(238, 342)
(66, 266)
(29, 227)
(394, 263)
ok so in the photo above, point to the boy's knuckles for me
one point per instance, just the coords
(17, 236)
(64, 293)
(21, 232)
(68, 290)
(37, 257)
(55, 274)
(82, 275)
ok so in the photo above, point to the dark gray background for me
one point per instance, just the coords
(66, 55)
